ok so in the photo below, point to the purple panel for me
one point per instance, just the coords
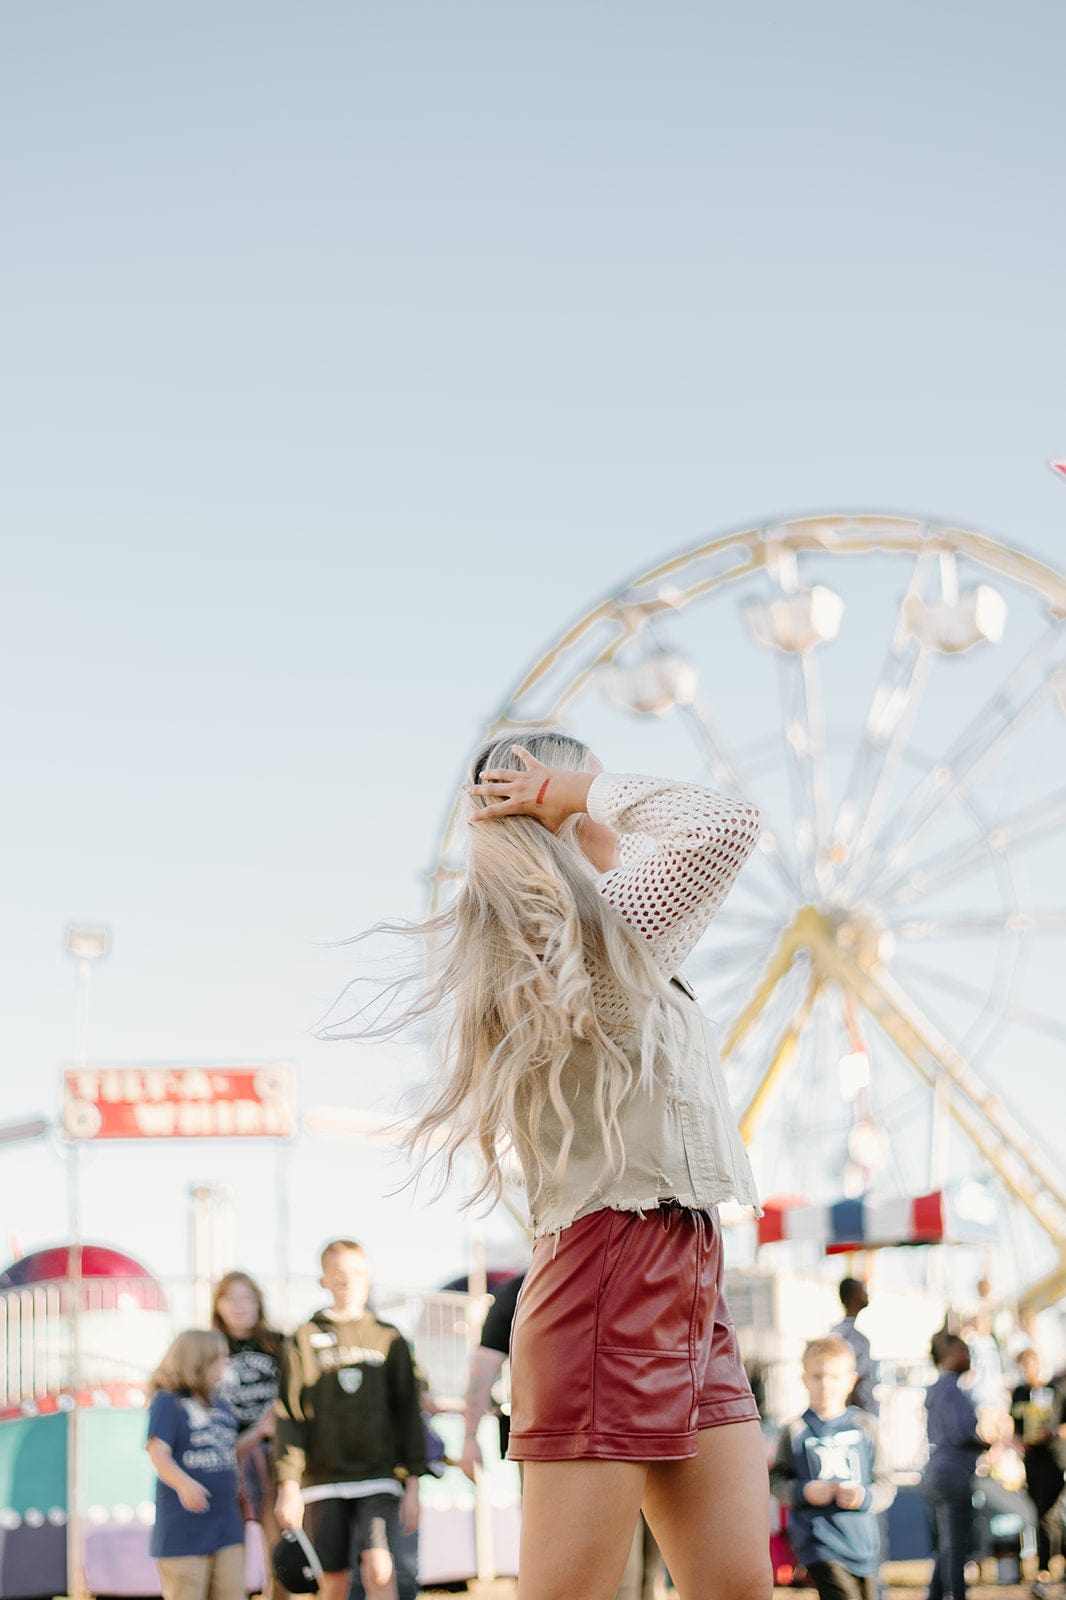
(117, 1561)
(33, 1563)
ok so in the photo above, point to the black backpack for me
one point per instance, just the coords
(296, 1563)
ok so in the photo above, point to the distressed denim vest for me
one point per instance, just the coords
(679, 1135)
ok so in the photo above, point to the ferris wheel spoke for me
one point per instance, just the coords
(951, 983)
(893, 707)
(782, 1054)
(726, 772)
(775, 969)
(796, 739)
(985, 739)
(737, 953)
(817, 773)
(1027, 827)
(978, 926)
(731, 974)
(737, 917)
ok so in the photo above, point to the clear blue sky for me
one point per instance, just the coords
(349, 350)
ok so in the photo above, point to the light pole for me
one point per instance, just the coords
(86, 945)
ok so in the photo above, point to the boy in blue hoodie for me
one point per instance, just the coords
(826, 1471)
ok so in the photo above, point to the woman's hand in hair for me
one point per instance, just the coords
(551, 794)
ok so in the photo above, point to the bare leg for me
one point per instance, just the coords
(632, 1584)
(577, 1527)
(377, 1574)
(711, 1516)
(333, 1586)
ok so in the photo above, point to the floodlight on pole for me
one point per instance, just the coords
(87, 944)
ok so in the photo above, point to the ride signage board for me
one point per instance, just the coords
(194, 1102)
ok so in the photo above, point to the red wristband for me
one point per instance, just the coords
(542, 791)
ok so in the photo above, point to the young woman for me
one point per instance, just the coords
(572, 1042)
(250, 1386)
(198, 1537)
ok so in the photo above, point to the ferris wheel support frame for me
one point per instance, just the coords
(994, 1133)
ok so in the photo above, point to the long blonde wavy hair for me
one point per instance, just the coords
(510, 989)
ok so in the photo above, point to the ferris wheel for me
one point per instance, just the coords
(887, 972)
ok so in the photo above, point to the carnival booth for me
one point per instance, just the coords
(117, 1317)
(77, 1342)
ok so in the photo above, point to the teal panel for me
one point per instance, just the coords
(33, 1463)
(115, 1465)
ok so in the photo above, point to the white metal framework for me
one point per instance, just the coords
(891, 693)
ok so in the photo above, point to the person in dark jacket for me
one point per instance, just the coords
(350, 1444)
(948, 1479)
(827, 1472)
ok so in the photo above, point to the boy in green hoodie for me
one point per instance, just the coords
(350, 1445)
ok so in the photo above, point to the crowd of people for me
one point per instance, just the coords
(989, 1438)
(319, 1438)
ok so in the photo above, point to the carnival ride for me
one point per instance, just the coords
(890, 691)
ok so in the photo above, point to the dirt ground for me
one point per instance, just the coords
(906, 1580)
(504, 1589)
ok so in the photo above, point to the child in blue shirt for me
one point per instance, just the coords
(198, 1538)
(826, 1471)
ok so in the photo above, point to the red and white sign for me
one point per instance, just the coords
(179, 1103)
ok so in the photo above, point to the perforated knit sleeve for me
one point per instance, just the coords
(700, 842)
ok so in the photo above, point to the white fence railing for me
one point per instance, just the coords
(125, 1325)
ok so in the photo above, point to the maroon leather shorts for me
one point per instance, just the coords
(623, 1347)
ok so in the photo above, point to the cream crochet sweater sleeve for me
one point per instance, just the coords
(699, 840)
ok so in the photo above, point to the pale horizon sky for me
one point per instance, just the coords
(349, 353)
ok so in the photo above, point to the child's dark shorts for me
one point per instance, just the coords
(341, 1529)
(623, 1347)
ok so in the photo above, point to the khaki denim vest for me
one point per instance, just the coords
(680, 1138)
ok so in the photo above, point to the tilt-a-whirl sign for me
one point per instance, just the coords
(179, 1102)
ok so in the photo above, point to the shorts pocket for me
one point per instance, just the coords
(648, 1302)
(639, 1394)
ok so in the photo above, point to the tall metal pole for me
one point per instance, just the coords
(283, 1152)
(86, 945)
(75, 1563)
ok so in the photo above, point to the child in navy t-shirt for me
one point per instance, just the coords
(826, 1471)
(198, 1538)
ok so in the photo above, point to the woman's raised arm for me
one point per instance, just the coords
(701, 841)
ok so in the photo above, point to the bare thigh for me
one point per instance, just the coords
(711, 1516)
(376, 1571)
(578, 1519)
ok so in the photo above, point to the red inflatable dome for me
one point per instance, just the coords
(110, 1279)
